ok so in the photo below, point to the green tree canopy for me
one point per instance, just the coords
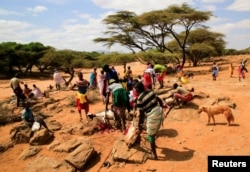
(152, 30)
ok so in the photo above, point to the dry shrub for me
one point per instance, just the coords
(93, 95)
(6, 115)
(72, 100)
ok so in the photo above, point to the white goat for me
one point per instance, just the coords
(104, 115)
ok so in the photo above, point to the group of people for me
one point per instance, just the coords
(134, 94)
(139, 96)
(241, 70)
(154, 73)
(22, 94)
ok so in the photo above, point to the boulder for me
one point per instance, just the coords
(67, 146)
(121, 153)
(29, 152)
(20, 134)
(53, 125)
(41, 137)
(48, 164)
(81, 155)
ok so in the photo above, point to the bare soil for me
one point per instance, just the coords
(184, 142)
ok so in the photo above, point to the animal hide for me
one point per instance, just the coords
(132, 134)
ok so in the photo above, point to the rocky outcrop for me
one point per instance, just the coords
(41, 137)
(81, 155)
(30, 152)
(48, 164)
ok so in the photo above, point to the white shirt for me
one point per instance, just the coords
(15, 82)
(114, 86)
(58, 78)
(150, 70)
(37, 92)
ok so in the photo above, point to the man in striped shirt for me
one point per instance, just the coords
(151, 107)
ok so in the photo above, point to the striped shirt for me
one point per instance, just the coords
(146, 101)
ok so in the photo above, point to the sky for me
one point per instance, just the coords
(73, 24)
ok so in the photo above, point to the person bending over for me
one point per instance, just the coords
(150, 106)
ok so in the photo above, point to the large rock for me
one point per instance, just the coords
(20, 134)
(121, 153)
(81, 155)
(41, 137)
(54, 125)
(30, 152)
(66, 146)
(5, 146)
(48, 164)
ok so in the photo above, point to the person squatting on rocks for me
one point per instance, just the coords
(81, 96)
(120, 101)
(150, 106)
(27, 91)
(37, 91)
(15, 85)
(29, 119)
(181, 95)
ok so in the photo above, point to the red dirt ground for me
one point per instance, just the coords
(187, 142)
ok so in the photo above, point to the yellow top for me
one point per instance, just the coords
(81, 97)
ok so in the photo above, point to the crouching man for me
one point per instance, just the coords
(33, 122)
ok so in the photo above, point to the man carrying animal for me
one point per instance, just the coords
(120, 101)
(150, 106)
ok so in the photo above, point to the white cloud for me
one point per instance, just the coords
(239, 41)
(37, 9)
(4, 12)
(236, 34)
(228, 27)
(138, 6)
(240, 5)
(212, 1)
(11, 30)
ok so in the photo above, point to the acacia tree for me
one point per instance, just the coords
(200, 44)
(153, 29)
(21, 57)
(62, 60)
